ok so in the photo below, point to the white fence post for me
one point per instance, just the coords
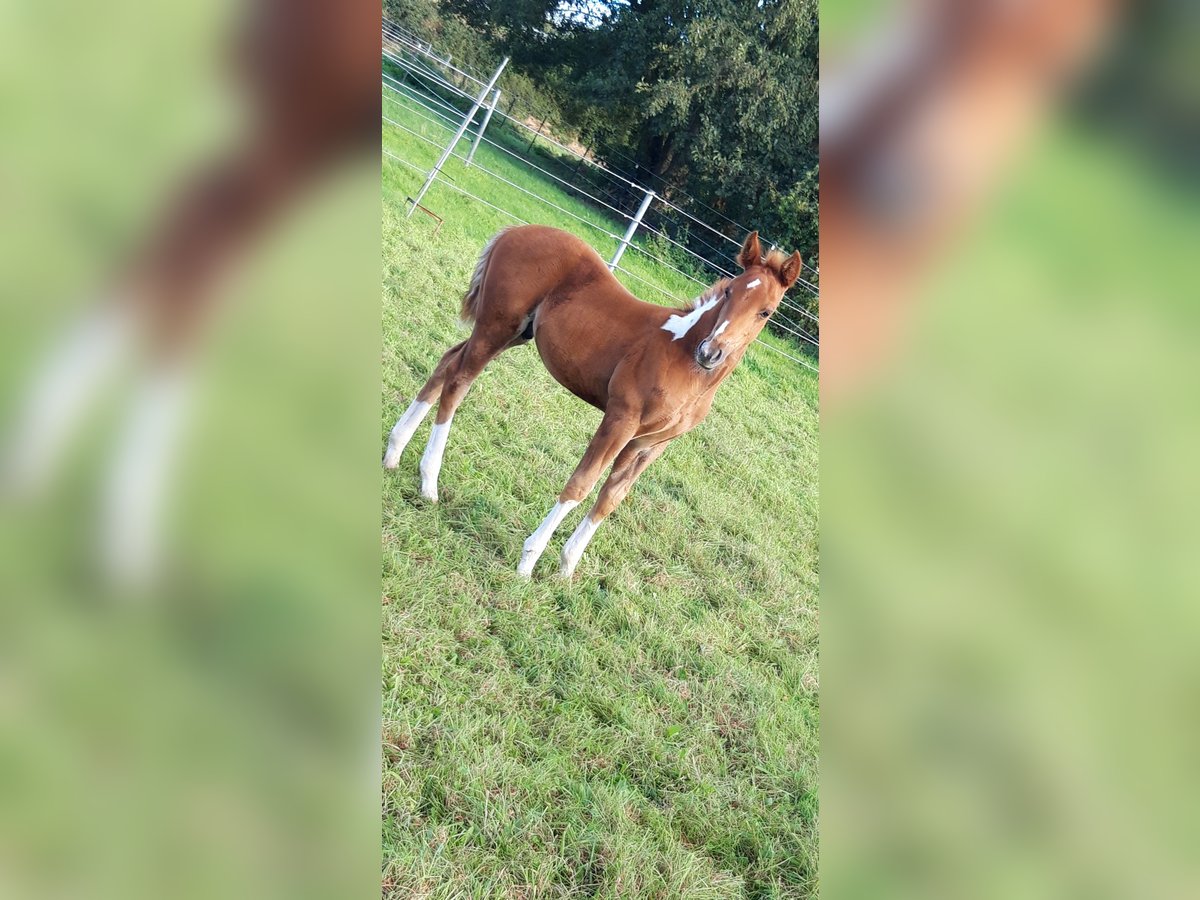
(633, 225)
(482, 128)
(462, 129)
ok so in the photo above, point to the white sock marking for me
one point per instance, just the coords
(431, 461)
(535, 544)
(681, 325)
(575, 546)
(402, 433)
(755, 283)
(62, 389)
(138, 480)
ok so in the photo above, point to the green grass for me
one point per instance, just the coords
(648, 729)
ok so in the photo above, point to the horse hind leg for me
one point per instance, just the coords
(406, 425)
(480, 350)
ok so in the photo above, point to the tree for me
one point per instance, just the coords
(713, 98)
(719, 99)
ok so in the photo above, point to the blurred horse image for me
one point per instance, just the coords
(308, 72)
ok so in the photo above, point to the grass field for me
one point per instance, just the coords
(646, 730)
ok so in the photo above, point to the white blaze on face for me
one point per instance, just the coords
(535, 544)
(719, 331)
(755, 283)
(403, 431)
(575, 546)
(681, 325)
(431, 462)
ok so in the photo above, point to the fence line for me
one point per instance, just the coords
(413, 42)
(519, 220)
(398, 35)
(666, 202)
(799, 309)
(532, 165)
(779, 321)
(636, 247)
(499, 177)
(400, 90)
(537, 133)
(797, 330)
(590, 196)
(445, 105)
(566, 183)
(520, 124)
(424, 73)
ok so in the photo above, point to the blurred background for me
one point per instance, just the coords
(214, 732)
(1009, 616)
(1009, 607)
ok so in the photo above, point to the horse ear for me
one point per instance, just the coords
(751, 254)
(790, 270)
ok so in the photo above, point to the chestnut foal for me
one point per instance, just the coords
(653, 371)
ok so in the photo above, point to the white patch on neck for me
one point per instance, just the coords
(755, 283)
(724, 325)
(681, 325)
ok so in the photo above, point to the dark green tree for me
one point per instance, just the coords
(719, 99)
(716, 99)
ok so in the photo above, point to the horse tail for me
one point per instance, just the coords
(470, 300)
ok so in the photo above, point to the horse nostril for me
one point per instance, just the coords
(708, 356)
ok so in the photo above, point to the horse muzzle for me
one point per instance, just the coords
(709, 355)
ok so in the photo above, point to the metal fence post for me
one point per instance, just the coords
(633, 225)
(462, 129)
(537, 135)
(487, 117)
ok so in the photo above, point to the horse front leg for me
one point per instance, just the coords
(628, 467)
(616, 430)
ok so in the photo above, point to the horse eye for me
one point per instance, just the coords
(764, 313)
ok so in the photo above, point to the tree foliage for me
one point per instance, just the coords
(712, 98)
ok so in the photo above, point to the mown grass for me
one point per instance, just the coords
(648, 729)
